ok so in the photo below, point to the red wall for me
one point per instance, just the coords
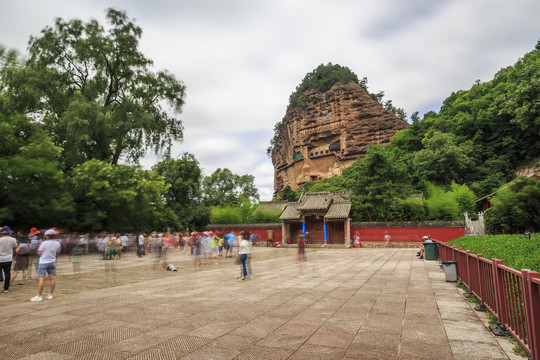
(261, 232)
(408, 234)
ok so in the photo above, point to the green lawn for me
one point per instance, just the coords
(514, 250)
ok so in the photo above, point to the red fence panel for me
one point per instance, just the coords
(489, 297)
(474, 274)
(510, 295)
(532, 308)
(462, 266)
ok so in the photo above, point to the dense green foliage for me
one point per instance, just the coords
(289, 195)
(377, 182)
(515, 209)
(246, 213)
(321, 79)
(118, 198)
(86, 100)
(95, 92)
(481, 135)
(184, 194)
(436, 167)
(514, 250)
(83, 102)
(223, 188)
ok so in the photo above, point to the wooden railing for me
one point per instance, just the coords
(512, 296)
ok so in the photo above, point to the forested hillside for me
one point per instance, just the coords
(436, 167)
(480, 136)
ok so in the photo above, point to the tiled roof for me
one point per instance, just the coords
(338, 211)
(333, 203)
(315, 201)
(291, 212)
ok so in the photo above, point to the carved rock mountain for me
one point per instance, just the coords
(326, 135)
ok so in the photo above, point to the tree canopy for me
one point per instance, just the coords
(446, 159)
(96, 92)
(223, 187)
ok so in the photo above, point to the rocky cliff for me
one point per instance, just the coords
(326, 135)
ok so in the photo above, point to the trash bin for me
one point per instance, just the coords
(430, 250)
(450, 270)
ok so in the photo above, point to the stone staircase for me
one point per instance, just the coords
(475, 226)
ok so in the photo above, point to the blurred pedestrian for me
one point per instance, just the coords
(23, 259)
(76, 258)
(48, 250)
(140, 244)
(7, 244)
(244, 248)
(301, 256)
(35, 241)
(196, 251)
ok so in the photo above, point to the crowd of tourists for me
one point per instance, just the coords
(38, 249)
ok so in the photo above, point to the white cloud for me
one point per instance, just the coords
(241, 59)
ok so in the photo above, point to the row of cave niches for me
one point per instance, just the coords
(322, 153)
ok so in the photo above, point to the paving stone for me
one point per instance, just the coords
(366, 304)
(318, 352)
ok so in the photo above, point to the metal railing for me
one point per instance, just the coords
(512, 296)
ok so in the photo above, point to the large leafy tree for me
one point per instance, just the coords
(378, 183)
(96, 92)
(183, 197)
(223, 187)
(515, 208)
(33, 188)
(442, 161)
(120, 198)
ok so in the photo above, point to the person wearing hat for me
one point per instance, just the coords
(47, 264)
(35, 241)
(7, 244)
(425, 239)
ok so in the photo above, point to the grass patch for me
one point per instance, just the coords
(514, 250)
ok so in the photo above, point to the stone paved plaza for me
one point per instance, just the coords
(340, 304)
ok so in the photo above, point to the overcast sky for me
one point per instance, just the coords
(241, 59)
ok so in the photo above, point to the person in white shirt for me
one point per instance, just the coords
(124, 242)
(47, 264)
(244, 249)
(7, 244)
(140, 243)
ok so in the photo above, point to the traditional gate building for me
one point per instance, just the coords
(323, 216)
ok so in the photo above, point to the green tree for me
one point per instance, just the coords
(265, 216)
(522, 93)
(334, 183)
(414, 208)
(441, 204)
(223, 187)
(33, 189)
(442, 161)
(184, 197)
(120, 198)
(377, 184)
(289, 194)
(96, 93)
(515, 208)
(8, 60)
